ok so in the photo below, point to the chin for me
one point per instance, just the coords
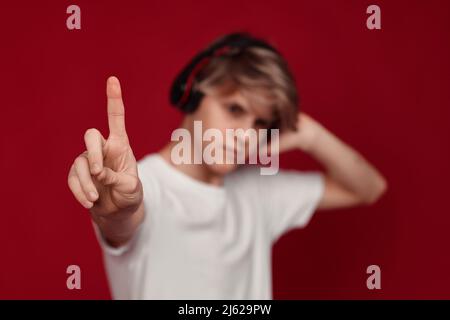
(222, 169)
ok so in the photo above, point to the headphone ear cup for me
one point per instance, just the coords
(177, 89)
(193, 102)
(175, 92)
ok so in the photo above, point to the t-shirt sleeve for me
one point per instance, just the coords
(133, 246)
(289, 199)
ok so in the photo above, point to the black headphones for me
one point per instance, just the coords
(182, 94)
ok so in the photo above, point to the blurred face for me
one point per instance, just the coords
(232, 111)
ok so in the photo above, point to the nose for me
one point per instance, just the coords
(248, 125)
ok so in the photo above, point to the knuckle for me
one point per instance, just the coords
(84, 154)
(90, 132)
(71, 171)
(85, 186)
(80, 197)
(111, 178)
(79, 160)
(94, 155)
(101, 175)
(74, 188)
(70, 183)
(70, 177)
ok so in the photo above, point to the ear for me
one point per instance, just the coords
(194, 101)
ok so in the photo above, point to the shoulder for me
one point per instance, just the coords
(150, 173)
(152, 167)
(148, 161)
(303, 185)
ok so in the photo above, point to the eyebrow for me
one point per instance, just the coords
(233, 101)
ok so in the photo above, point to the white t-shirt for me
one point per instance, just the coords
(200, 241)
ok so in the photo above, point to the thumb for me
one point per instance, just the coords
(121, 182)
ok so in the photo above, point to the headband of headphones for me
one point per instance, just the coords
(182, 94)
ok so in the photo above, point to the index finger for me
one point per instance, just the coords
(116, 109)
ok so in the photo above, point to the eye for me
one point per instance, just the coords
(235, 109)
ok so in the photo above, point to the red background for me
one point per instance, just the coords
(384, 92)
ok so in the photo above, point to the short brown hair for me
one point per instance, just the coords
(259, 73)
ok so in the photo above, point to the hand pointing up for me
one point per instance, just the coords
(104, 178)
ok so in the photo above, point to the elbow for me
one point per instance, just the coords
(379, 189)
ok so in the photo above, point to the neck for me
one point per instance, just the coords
(199, 172)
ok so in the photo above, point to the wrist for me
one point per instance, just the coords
(119, 227)
(309, 135)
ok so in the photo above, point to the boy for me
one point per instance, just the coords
(172, 230)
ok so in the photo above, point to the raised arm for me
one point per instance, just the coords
(349, 178)
(104, 178)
